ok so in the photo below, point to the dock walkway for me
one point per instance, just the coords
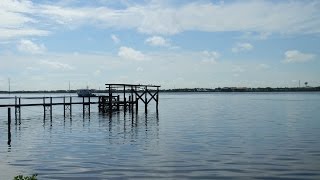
(119, 96)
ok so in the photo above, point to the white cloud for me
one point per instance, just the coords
(241, 47)
(30, 47)
(15, 13)
(263, 66)
(210, 57)
(57, 65)
(295, 56)
(115, 38)
(27, 18)
(130, 53)
(157, 41)
(17, 21)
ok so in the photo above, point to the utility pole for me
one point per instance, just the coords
(299, 83)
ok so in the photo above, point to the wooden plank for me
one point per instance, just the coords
(41, 104)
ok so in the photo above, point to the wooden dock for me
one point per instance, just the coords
(119, 97)
(134, 92)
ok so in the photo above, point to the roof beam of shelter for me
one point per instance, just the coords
(131, 85)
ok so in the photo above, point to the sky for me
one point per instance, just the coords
(46, 44)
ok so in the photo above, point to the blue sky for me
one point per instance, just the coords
(178, 44)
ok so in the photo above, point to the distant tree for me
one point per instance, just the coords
(306, 83)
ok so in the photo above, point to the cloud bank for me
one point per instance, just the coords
(27, 18)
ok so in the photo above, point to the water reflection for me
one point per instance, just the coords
(121, 125)
(208, 139)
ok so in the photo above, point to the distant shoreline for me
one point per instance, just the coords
(225, 89)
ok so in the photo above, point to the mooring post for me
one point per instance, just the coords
(64, 106)
(137, 104)
(9, 126)
(89, 105)
(145, 99)
(70, 106)
(51, 108)
(157, 99)
(44, 107)
(110, 98)
(83, 110)
(118, 102)
(99, 103)
(15, 109)
(131, 102)
(137, 99)
(20, 110)
(124, 98)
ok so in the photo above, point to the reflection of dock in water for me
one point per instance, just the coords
(119, 127)
(128, 126)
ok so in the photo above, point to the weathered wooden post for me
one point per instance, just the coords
(118, 102)
(15, 110)
(9, 126)
(130, 102)
(20, 110)
(157, 101)
(110, 98)
(83, 110)
(70, 106)
(51, 108)
(99, 103)
(64, 106)
(145, 99)
(137, 99)
(44, 107)
(124, 98)
(89, 106)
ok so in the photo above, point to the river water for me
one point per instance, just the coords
(193, 136)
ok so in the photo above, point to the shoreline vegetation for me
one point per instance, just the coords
(224, 89)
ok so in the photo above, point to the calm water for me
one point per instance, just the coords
(194, 136)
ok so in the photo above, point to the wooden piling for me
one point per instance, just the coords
(145, 99)
(20, 110)
(110, 99)
(70, 106)
(124, 98)
(51, 108)
(83, 107)
(89, 106)
(64, 107)
(118, 102)
(157, 99)
(44, 107)
(9, 126)
(131, 102)
(136, 97)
